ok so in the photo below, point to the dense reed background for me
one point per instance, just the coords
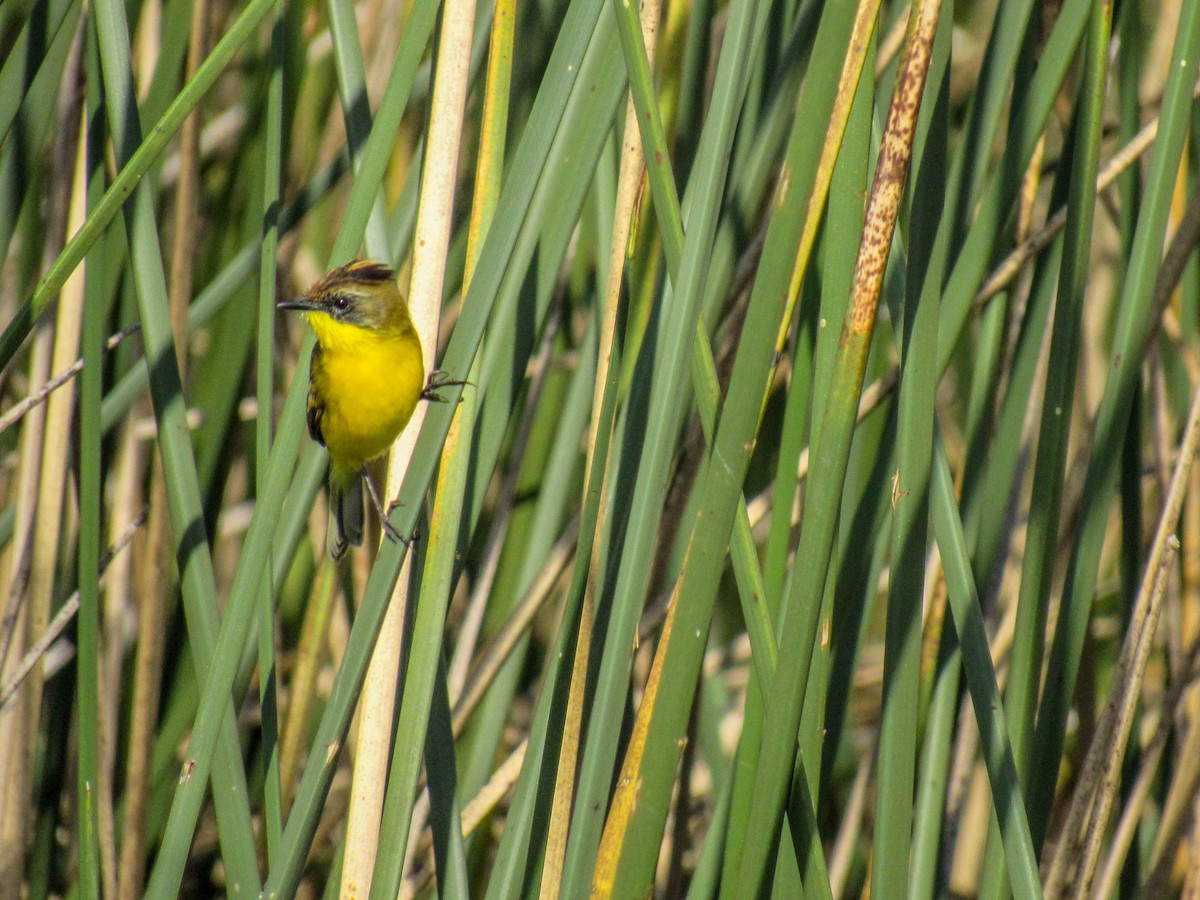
(820, 519)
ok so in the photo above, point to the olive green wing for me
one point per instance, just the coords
(316, 406)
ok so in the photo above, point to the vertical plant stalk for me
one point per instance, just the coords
(629, 181)
(187, 192)
(688, 260)
(1049, 473)
(1078, 853)
(1099, 780)
(663, 716)
(916, 319)
(501, 512)
(268, 677)
(471, 624)
(832, 445)
(302, 686)
(424, 709)
(860, 42)
(481, 595)
(96, 715)
(1132, 328)
(572, 725)
(978, 666)
(131, 173)
(157, 579)
(507, 249)
(1049, 476)
(1176, 815)
(372, 748)
(52, 445)
(421, 695)
(152, 585)
(797, 421)
(1131, 816)
(12, 626)
(183, 489)
(425, 291)
(447, 514)
(376, 707)
(126, 508)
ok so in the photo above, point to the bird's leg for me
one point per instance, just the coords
(438, 380)
(392, 507)
(389, 529)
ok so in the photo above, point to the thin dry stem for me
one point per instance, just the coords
(159, 572)
(497, 651)
(62, 619)
(474, 813)
(425, 290)
(1176, 814)
(13, 627)
(53, 445)
(850, 830)
(481, 591)
(302, 685)
(126, 509)
(628, 187)
(156, 578)
(1098, 784)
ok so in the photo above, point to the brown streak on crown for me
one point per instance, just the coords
(359, 273)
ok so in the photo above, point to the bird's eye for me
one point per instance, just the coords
(341, 302)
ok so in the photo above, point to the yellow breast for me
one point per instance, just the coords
(369, 385)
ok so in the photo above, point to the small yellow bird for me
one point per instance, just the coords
(368, 372)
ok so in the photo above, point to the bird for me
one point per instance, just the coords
(366, 378)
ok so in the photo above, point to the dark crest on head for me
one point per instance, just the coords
(360, 273)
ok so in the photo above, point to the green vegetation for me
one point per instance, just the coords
(819, 518)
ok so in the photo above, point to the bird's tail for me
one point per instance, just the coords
(345, 512)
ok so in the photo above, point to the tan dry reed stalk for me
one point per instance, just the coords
(496, 652)
(63, 618)
(125, 501)
(156, 580)
(629, 182)
(1097, 785)
(438, 180)
(49, 509)
(1013, 264)
(481, 590)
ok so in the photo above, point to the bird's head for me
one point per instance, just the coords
(362, 293)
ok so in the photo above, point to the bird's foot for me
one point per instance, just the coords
(385, 515)
(393, 532)
(438, 380)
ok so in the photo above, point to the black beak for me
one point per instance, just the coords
(301, 303)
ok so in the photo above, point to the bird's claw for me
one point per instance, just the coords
(393, 532)
(438, 380)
